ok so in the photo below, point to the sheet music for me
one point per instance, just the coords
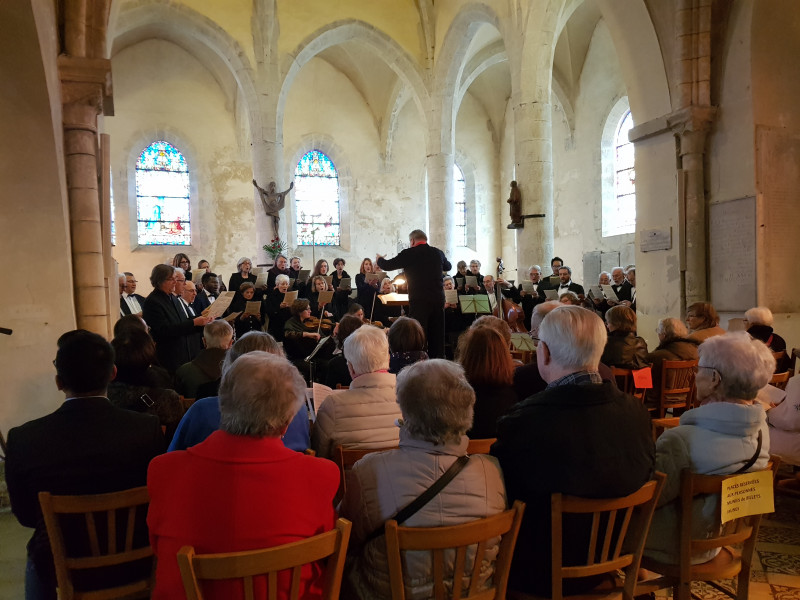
(220, 305)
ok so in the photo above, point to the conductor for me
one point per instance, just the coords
(423, 265)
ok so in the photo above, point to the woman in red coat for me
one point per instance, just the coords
(241, 489)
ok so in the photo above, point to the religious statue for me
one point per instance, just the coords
(515, 202)
(273, 202)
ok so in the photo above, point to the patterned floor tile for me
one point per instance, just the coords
(774, 562)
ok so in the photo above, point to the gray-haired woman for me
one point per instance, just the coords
(431, 440)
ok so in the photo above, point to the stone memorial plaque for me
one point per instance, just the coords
(732, 248)
(655, 239)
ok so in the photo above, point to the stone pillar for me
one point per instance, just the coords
(85, 93)
(691, 127)
(267, 161)
(441, 216)
(534, 175)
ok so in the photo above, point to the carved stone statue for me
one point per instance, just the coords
(273, 202)
(515, 206)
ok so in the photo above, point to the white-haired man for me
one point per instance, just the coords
(580, 436)
(363, 416)
(758, 321)
(207, 365)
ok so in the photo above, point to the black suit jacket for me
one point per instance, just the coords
(123, 306)
(623, 291)
(87, 446)
(201, 302)
(573, 287)
(170, 330)
(423, 266)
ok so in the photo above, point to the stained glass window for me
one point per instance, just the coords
(624, 219)
(316, 200)
(162, 196)
(460, 201)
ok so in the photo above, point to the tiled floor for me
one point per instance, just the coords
(776, 573)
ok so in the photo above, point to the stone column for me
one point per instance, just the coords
(441, 217)
(85, 93)
(691, 127)
(267, 161)
(534, 175)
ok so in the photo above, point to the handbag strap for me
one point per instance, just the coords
(753, 458)
(405, 513)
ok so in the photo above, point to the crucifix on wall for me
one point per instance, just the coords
(273, 202)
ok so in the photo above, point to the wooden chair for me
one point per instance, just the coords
(130, 507)
(345, 458)
(793, 361)
(3, 448)
(780, 380)
(624, 380)
(438, 540)
(269, 562)
(480, 445)
(619, 531)
(730, 562)
(677, 385)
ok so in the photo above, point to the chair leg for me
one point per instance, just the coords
(682, 591)
(743, 584)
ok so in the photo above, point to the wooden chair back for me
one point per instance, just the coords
(793, 361)
(727, 564)
(480, 445)
(121, 515)
(3, 449)
(780, 380)
(677, 385)
(345, 458)
(331, 545)
(625, 383)
(619, 531)
(439, 540)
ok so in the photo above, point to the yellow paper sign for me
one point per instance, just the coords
(747, 494)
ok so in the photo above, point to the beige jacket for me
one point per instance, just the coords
(385, 482)
(363, 416)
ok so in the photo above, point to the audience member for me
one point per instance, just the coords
(490, 371)
(129, 322)
(759, 325)
(436, 404)
(406, 344)
(207, 365)
(727, 434)
(569, 298)
(496, 323)
(784, 425)
(139, 385)
(87, 446)
(363, 416)
(703, 321)
(673, 344)
(202, 418)
(624, 348)
(241, 488)
(598, 439)
(338, 373)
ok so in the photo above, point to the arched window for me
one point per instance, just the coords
(162, 196)
(460, 201)
(619, 175)
(316, 199)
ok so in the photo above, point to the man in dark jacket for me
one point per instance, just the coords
(423, 266)
(87, 446)
(580, 436)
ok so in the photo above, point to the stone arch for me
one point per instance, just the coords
(323, 143)
(351, 30)
(211, 45)
(450, 66)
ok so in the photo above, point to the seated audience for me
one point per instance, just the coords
(138, 385)
(436, 404)
(406, 343)
(624, 348)
(703, 321)
(784, 425)
(490, 371)
(338, 373)
(242, 489)
(496, 323)
(727, 434)
(527, 380)
(206, 366)
(759, 326)
(570, 298)
(129, 322)
(363, 416)
(580, 436)
(202, 418)
(87, 446)
(673, 344)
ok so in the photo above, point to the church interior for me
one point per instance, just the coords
(428, 109)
